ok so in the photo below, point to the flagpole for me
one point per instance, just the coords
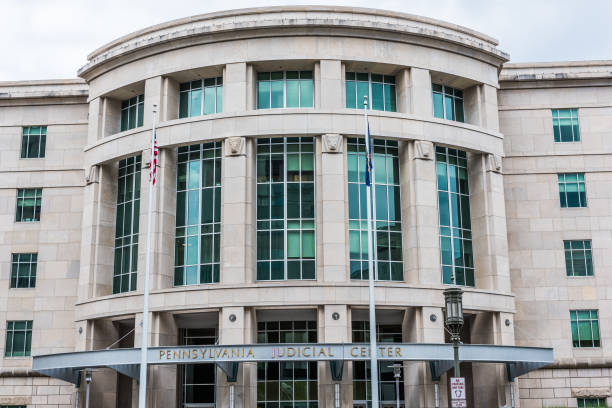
(142, 389)
(371, 266)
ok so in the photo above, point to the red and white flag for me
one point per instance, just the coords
(154, 153)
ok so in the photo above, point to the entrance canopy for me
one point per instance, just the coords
(518, 360)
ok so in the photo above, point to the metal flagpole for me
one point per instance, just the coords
(369, 176)
(142, 389)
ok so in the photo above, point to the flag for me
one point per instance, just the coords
(368, 171)
(154, 153)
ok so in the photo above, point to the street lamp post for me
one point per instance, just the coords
(397, 373)
(454, 320)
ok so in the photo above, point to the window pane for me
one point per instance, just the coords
(306, 94)
(276, 94)
(263, 95)
(350, 95)
(293, 94)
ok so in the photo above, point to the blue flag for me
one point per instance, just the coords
(368, 171)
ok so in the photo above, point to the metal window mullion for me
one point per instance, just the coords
(284, 210)
(200, 201)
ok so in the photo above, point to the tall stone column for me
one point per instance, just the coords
(165, 219)
(420, 213)
(157, 244)
(152, 96)
(490, 109)
(235, 327)
(420, 93)
(98, 227)
(488, 214)
(236, 215)
(335, 328)
(330, 87)
(419, 327)
(331, 211)
(235, 87)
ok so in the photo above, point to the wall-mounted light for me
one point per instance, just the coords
(507, 322)
(335, 315)
(433, 317)
(232, 317)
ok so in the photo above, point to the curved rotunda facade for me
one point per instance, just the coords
(259, 232)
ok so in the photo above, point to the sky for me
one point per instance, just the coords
(50, 39)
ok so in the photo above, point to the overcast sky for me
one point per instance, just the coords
(48, 39)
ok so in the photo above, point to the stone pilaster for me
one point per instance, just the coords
(152, 97)
(420, 213)
(472, 105)
(488, 222)
(331, 210)
(236, 214)
(418, 327)
(169, 100)
(235, 87)
(404, 91)
(420, 92)
(330, 86)
(98, 226)
(336, 329)
(490, 110)
(165, 219)
(235, 327)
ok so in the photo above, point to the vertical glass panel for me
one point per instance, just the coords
(438, 105)
(210, 94)
(363, 89)
(277, 94)
(196, 103)
(263, 95)
(306, 93)
(377, 96)
(350, 94)
(293, 93)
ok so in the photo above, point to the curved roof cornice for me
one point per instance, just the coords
(292, 16)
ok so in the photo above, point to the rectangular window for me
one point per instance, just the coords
(132, 112)
(285, 208)
(201, 97)
(23, 270)
(447, 103)
(578, 258)
(287, 384)
(386, 186)
(592, 403)
(585, 328)
(33, 142)
(198, 215)
(572, 190)
(285, 89)
(18, 338)
(454, 213)
(362, 386)
(380, 90)
(565, 125)
(28, 204)
(127, 225)
(199, 380)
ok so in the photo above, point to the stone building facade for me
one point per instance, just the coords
(489, 175)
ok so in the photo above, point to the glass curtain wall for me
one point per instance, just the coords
(380, 90)
(388, 210)
(285, 89)
(201, 97)
(285, 208)
(198, 214)
(455, 222)
(287, 384)
(448, 103)
(127, 225)
(132, 113)
(362, 384)
(199, 380)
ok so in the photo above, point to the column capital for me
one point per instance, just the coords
(494, 163)
(332, 143)
(423, 150)
(235, 146)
